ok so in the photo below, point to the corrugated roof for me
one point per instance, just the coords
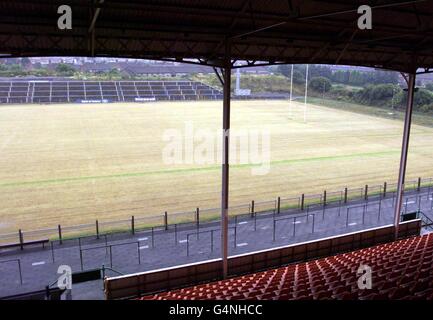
(320, 31)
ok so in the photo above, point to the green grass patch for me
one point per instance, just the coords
(195, 170)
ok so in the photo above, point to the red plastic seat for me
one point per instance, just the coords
(399, 293)
(350, 296)
(401, 270)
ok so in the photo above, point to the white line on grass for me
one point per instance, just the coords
(243, 222)
(143, 239)
(297, 222)
(182, 241)
(242, 244)
(144, 247)
(352, 224)
(38, 263)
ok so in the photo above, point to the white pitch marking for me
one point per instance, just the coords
(242, 244)
(297, 222)
(243, 222)
(144, 247)
(143, 239)
(38, 263)
(182, 241)
(410, 202)
(352, 224)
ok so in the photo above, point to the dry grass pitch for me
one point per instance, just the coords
(72, 164)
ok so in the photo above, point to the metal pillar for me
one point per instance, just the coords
(225, 162)
(404, 150)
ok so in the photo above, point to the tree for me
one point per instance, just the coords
(16, 68)
(25, 62)
(421, 98)
(429, 86)
(298, 77)
(360, 78)
(320, 71)
(41, 72)
(65, 69)
(320, 84)
(114, 74)
(380, 94)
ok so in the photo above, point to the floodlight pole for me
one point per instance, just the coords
(238, 80)
(306, 92)
(225, 161)
(404, 151)
(291, 90)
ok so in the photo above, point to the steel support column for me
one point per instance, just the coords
(225, 162)
(404, 151)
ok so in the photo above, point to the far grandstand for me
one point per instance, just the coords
(66, 91)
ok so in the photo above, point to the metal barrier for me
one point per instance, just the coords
(211, 237)
(109, 252)
(46, 294)
(426, 221)
(136, 224)
(295, 219)
(290, 203)
(207, 231)
(364, 208)
(18, 261)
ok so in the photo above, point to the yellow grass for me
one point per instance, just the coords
(72, 164)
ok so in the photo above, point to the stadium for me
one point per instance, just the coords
(275, 151)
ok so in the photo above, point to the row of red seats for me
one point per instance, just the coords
(400, 270)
